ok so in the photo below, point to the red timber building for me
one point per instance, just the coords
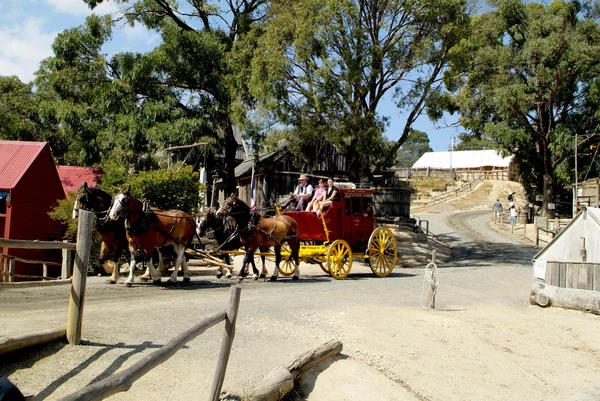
(29, 188)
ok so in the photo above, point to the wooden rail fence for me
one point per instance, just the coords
(124, 380)
(77, 293)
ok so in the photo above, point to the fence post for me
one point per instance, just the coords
(67, 263)
(226, 342)
(512, 226)
(524, 229)
(502, 221)
(45, 271)
(11, 269)
(537, 238)
(82, 256)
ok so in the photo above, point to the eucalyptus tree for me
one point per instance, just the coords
(413, 148)
(529, 81)
(324, 66)
(134, 104)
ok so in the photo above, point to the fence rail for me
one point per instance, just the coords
(124, 380)
(78, 282)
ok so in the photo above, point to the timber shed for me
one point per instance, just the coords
(466, 165)
(29, 189)
(572, 258)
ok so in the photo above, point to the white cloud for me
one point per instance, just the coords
(78, 7)
(138, 34)
(22, 47)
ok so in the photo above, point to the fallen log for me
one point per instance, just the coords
(280, 381)
(27, 340)
(546, 295)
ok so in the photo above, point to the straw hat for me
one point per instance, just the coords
(303, 177)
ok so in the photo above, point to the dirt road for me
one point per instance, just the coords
(483, 342)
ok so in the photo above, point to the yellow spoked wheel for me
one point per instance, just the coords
(287, 267)
(339, 259)
(382, 251)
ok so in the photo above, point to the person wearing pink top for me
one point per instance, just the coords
(318, 197)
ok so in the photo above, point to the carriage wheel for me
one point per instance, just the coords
(382, 251)
(287, 267)
(324, 268)
(339, 259)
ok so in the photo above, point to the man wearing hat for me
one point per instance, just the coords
(300, 196)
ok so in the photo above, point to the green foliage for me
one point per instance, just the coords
(527, 79)
(413, 148)
(473, 142)
(63, 212)
(168, 189)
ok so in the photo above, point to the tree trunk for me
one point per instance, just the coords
(229, 163)
(546, 295)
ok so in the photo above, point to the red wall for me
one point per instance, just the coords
(34, 196)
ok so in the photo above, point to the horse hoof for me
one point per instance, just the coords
(263, 276)
(170, 283)
(219, 275)
(254, 278)
(111, 281)
(273, 279)
(240, 279)
(156, 282)
(228, 276)
(128, 284)
(295, 278)
(186, 279)
(144, 278)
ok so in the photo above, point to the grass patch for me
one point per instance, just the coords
(422, 184)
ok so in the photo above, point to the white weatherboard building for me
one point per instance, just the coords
(572, 258)
(467, 165)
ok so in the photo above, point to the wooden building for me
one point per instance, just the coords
(465, 165)
(29, 189)
(572, 258)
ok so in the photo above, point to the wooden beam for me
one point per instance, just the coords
(14, 343)
(124, 380)
(17, 243)
(187, 146)
(77, 294)
(226, 342)
(31, 284)
(29, 261)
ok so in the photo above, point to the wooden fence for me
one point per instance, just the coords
(77, 293)
(124, 380)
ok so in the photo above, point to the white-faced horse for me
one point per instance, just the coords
(149, 228)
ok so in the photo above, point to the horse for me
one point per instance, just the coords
(224, 230)
(149, 228)
(261, 232)
(112, 233)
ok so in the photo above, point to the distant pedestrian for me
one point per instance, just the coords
(513, 213)
(497, 209)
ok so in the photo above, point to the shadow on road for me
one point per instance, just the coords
(484, 254)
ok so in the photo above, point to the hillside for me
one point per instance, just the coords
(482, 197)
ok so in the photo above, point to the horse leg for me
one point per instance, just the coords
(129, 281)
(294, 256)
(186, 271)
(277, 260)
(103, 257)
(243, 271)
(154, 274)
(227, 259)
(254, 269)
(173, 279)
(161, 264)
(264, 271)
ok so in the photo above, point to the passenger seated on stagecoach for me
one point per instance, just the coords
(300, 196)
(331, 195)
(318, 197)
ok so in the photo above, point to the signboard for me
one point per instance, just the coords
(579, 191)
(539, 269)
(539, 198)
(551, 206)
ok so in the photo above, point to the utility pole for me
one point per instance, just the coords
(576, 194)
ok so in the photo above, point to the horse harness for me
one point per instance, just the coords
(253, 226)
(147, 222)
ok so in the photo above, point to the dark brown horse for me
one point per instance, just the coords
(149, 228)
(224, 231)
(260, 232)
(112, 233)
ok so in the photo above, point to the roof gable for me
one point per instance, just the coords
(15, 158)
(73, 177)
(463, 159)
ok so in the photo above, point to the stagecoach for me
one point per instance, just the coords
(342, 232)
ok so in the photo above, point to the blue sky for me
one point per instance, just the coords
(29, 27)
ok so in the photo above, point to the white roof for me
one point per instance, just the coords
(463, 159)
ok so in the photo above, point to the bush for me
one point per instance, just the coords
(168, 189)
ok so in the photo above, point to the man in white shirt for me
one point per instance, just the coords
(300, 196)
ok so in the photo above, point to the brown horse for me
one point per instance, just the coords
(260, 232)
(112, 233)
(224, 232)
(149, 228)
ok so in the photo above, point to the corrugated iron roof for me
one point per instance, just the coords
(72, 177)
(265, 161)
(463, 159)
(15, 159)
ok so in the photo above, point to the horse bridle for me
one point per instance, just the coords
(124, 207)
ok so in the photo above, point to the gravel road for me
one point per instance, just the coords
(483, 340)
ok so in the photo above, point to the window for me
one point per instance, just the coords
(3, 196)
